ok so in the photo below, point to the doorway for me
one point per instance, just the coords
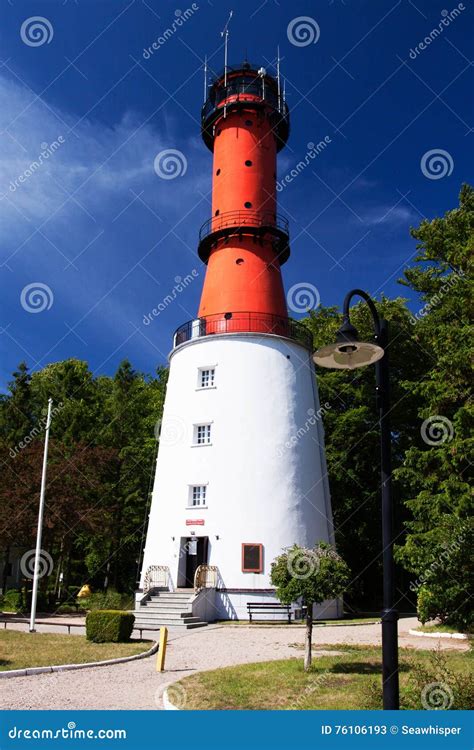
(195, 548)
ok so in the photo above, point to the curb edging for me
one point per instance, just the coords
(457, 636)
(69, 667)
(167, 705)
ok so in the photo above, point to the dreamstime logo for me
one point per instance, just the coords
(35, 431)
(181, 283)
(180, 18)
(36, 297)
(313, 418)
(170, 431)
(314, 149)
(437, 430)
(436, 164)
(170, 163)
(303, 297)
(302, 31)
(449, 282)
(27, 564)
(47, 150)
(302, 563)
(36, 31)
(437, 696)
(447, 17)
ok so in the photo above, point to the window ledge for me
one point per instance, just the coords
(206, 388)
(201, 445)
(196, 507)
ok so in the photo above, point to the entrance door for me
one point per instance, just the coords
(196, 554)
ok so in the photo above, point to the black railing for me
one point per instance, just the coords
(259, 224)
(245, 86)
(240, 220)
(245, 322)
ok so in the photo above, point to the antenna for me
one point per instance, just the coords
(205, 78)
(278, 77)
(225, 34)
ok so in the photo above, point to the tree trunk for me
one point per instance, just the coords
(308, 636)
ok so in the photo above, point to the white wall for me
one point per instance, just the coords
(265, 467)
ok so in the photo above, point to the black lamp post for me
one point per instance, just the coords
(347, 354)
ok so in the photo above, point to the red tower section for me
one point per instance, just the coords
(245, 122)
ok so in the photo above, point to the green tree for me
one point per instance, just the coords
(435, 475)
(313, 575)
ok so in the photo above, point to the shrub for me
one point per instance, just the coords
(110, 600)
(109, 625)
(13, 601)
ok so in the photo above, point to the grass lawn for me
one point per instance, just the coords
(346, 681)
(19, 650)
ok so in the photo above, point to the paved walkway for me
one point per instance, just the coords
(136, 685)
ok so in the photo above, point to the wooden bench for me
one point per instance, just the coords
(268, 608)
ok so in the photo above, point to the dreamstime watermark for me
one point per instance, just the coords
(302, 563)
(181, 16)
(449, 283)
(170, 163)
(313, 418)
(36, 31)
(302, 297)
(27, 564)
(436, 164)
(440, 560)
(314, 149)
(437, 430)
(35, 431)
(302, 31)
(66, 733)
(36, 297)
(170, 431)
(175, 693)
(437, 696)
(447, 17)
(180, 285)
(47, 150)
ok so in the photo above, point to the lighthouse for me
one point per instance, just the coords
(241, 470)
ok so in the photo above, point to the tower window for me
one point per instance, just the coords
(218, 172)
(239, 261)
(248, 163)
(252, 558)
(216, 212)
(249, 123)
(206, 377)
(202, 434)
(247, 204)
(197, 495)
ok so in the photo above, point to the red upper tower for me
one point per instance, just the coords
(245, 122)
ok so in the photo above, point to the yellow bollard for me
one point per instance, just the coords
(160, 659)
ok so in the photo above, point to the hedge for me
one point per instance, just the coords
(109, 625)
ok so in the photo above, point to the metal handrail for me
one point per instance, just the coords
(156, 576)
(205, 577)
(244, 322)
(239, 220)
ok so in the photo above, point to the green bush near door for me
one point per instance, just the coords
(109, 626)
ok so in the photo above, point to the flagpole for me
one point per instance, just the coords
(34, 595)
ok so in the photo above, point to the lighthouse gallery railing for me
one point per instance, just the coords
(244, 322)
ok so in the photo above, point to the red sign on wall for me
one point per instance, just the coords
(197, 522)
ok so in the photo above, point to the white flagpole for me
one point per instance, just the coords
(34, 595)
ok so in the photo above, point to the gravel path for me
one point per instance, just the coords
(136, 685)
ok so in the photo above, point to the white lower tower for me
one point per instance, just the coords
(257, 478)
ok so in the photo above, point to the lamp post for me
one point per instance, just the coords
(348, 353)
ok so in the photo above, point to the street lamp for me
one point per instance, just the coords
(348, 353)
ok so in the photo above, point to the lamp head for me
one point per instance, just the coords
(348, 352)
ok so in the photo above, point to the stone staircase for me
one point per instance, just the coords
(170, 608)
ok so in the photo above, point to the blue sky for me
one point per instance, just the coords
(107, 237)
